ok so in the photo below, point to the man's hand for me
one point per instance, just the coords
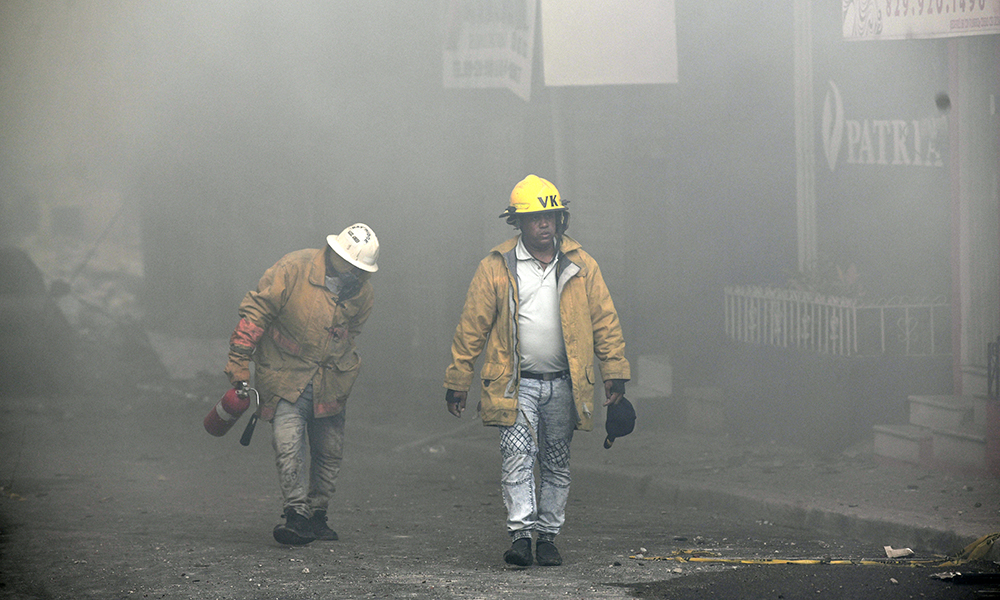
(456, 401)
(614, 390)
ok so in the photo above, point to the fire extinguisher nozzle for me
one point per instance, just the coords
(248, 432)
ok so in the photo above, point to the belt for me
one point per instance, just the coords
(544, 376)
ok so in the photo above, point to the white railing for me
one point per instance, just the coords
(907, 326)
(834, 325)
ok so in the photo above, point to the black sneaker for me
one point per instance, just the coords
(319, 528)
(519, 553)
(547, 554)
(295, 531)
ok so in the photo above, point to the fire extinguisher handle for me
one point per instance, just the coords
(248, 432)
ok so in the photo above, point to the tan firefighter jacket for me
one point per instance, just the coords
(288, 327)
(489, 320)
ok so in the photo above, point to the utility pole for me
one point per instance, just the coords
(805, 137)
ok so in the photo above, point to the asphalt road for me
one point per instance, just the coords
(124, 495)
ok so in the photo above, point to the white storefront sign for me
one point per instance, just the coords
(906, 19)
(596, 42)
(880, 142)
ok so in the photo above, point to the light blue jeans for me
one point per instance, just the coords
(306, 488)
(543, 430)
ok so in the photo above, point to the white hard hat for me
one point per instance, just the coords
(357, 245)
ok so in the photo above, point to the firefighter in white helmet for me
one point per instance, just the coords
(299, 327)
(538, 312)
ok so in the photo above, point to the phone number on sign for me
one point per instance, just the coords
(916, 8)
(975, 23)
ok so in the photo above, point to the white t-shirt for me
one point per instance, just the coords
(540, 337)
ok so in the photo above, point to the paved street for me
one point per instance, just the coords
(126, 496)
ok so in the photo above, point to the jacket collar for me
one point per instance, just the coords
(567, 247)
(317, 269)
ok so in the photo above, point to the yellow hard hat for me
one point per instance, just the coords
(533, 195)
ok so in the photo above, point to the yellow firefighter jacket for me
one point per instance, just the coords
(288, 327)
(589, 324)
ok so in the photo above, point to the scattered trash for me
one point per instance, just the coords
(891, 552)
(893, 580)
(969, 578)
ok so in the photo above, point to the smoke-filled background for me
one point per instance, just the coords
(184, 147)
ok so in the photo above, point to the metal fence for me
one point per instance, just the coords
(840, 326)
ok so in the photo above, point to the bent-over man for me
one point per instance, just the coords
(298, 327)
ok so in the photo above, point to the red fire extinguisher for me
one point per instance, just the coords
(229, 409)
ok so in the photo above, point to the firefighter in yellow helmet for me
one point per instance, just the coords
(538, 336)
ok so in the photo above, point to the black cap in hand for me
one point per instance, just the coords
(620, 421)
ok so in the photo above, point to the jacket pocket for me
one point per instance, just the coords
(589, 372)
(339, 376)
(349, 361)
(492, 372)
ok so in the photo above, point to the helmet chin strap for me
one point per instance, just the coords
(563, 224)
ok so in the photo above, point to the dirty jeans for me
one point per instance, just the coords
(306, 488)
(544, 429)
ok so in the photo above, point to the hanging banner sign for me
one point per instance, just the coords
(596, 42)
(912, 19)
(489, 44)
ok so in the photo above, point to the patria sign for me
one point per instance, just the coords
(879, 142)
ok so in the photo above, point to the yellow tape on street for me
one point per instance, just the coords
(975, 551)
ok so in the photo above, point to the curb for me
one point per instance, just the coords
(877, 530)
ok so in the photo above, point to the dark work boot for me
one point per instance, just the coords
(295, 531)
(547, 554)
(319, 528)
(519, 553)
